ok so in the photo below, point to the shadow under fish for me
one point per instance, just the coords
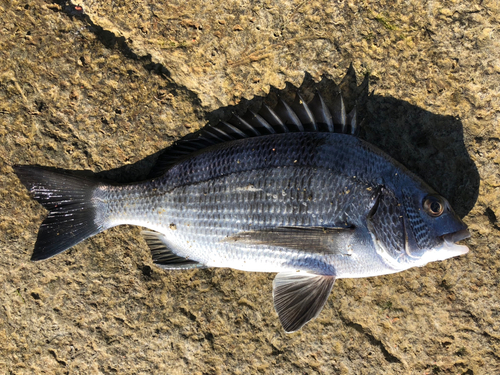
(285, 184)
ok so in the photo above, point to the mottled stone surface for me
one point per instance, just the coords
(113, 87)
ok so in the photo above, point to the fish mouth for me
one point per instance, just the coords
(451, 239)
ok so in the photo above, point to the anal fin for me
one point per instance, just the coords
(163, 256)
(299, 297)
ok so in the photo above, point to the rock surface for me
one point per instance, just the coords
(114, 85)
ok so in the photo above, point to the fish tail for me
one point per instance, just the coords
(72, 210)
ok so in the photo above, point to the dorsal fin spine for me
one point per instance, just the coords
(247, 126)
(304, 112)
(291, 116)
(212, 131)
(351, 117)
(322, 112)
(262, 122)
(273, 118)
(339, 113)
(234, 129)
(301, 116)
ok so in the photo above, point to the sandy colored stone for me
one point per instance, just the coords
(110, 90)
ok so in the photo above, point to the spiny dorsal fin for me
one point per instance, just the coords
(295, 114)
(299, 297)
(163, 256)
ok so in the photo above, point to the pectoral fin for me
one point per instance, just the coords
(299, 297)
(311, 239)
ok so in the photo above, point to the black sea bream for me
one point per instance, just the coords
(291, 190)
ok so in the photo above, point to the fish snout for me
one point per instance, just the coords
(451, 239)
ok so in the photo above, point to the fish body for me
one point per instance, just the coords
(311, 205)
(276, 181)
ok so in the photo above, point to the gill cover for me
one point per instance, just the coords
(418, 228)
(386, 223)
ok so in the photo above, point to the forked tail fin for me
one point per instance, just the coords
(72, 211)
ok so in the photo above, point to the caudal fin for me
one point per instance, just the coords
(72, 214)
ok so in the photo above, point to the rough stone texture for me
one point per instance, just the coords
(109, 90)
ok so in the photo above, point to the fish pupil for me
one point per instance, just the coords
(435, 207)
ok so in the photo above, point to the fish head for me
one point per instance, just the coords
(413, 226)
(433, 227)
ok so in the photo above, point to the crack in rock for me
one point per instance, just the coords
(389, 357)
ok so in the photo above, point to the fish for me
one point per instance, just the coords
(289, 188)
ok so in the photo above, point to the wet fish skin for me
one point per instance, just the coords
(313, 206)
(227, 192)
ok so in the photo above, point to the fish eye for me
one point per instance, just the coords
(433, 206)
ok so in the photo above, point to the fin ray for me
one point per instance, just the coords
(245, 126)
(310, 239)
(273, 119)
(304, 113)
(351, 122)
(163, 256)
(295, 114)
(299, 297)
(259, 122)
(72, 214)
(321, 112)
(339, 113)
(288, 116)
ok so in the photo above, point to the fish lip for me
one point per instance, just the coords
(454, 237)
(451, 239)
